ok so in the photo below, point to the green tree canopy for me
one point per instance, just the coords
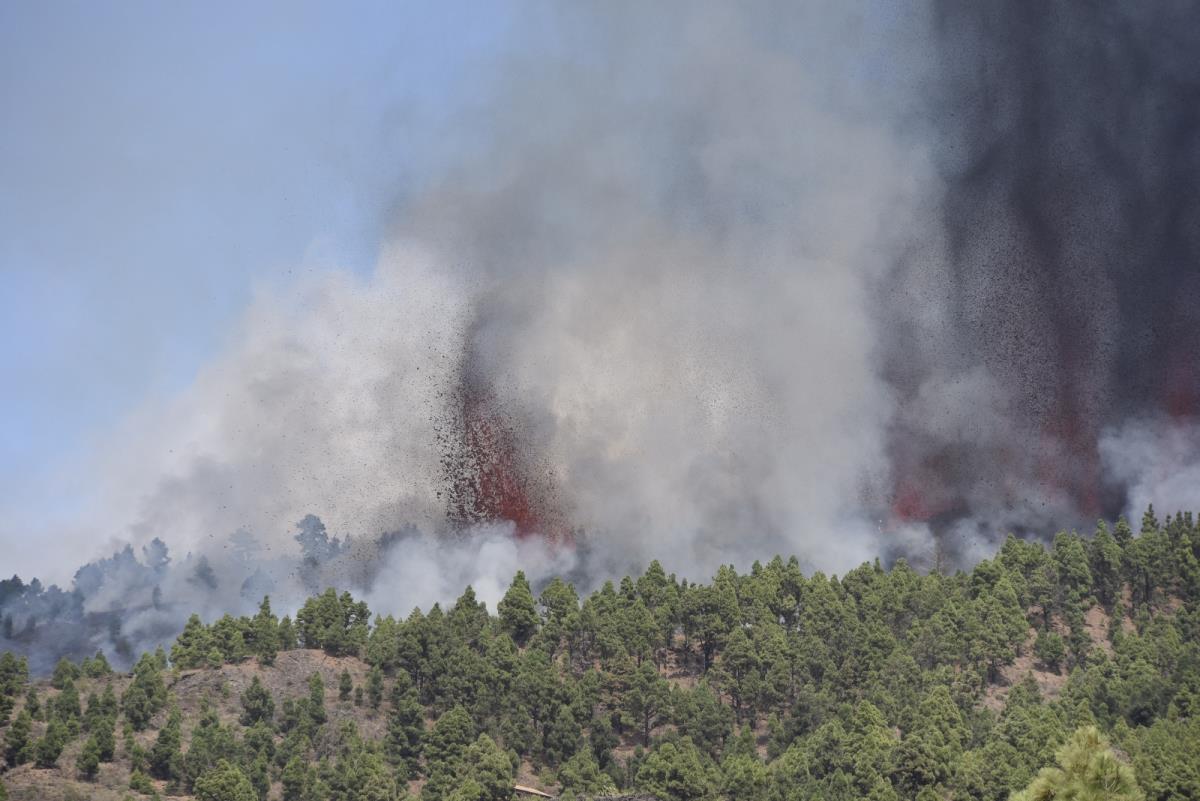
(1087, 770)
(518, 612)
(224, 782)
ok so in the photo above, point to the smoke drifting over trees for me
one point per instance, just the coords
(716, 283)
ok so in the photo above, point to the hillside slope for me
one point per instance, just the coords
(771, 685)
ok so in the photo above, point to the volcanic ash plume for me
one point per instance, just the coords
(640, 315)
(1069, 296)
(707, 284)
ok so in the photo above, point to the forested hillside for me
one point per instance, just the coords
(879, 684)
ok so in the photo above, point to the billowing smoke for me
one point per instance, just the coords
(718, 283)
(639, 312)
(1069, 305)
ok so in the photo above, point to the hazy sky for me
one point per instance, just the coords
(158, 161)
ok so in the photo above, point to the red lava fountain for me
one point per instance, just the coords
(492, 478)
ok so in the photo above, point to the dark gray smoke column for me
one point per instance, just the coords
(1071, 155)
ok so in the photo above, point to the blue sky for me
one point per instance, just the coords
(158, 161)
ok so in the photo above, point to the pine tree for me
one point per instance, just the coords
(1050, 649)
(266, 633)
(561, 739)
(641, 631)
(739, 667)
(1087, 770)
(518, 612)
(211, 743)
(1122, 533)
(996, 628)
(345, 686)
(140, 783)
(560, 601)
(744, 778)
(932, 746)
(316, 698)
(375, 687)
(17, 749)
(646, 698)
(66, 705)
(225, 782)
(490, 767)
(870, 750)
(215, 658)
(165, 758)
(1149, 521)
(48, 749)
(257, 704)
(287, 634)
(405, 732)
(450, 736)
(105, 738)
(1074, 574)
(675, 772)
(33, 704)
(468, 618)
(191, 647)
(581, 775)
(97, 667)
(1104, 557)
(259, 740)
(146, 693)
(338, 625)
(92, 713)
(64, 671)
(88, 761)
(296, 780)
(259, 774)
(14, 672)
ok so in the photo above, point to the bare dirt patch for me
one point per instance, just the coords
(1049, 684)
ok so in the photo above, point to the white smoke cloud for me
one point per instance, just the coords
(1158, 460)
(426, 570)
(326, 399)
(661, 259)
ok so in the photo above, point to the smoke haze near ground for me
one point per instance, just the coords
(718, 283)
